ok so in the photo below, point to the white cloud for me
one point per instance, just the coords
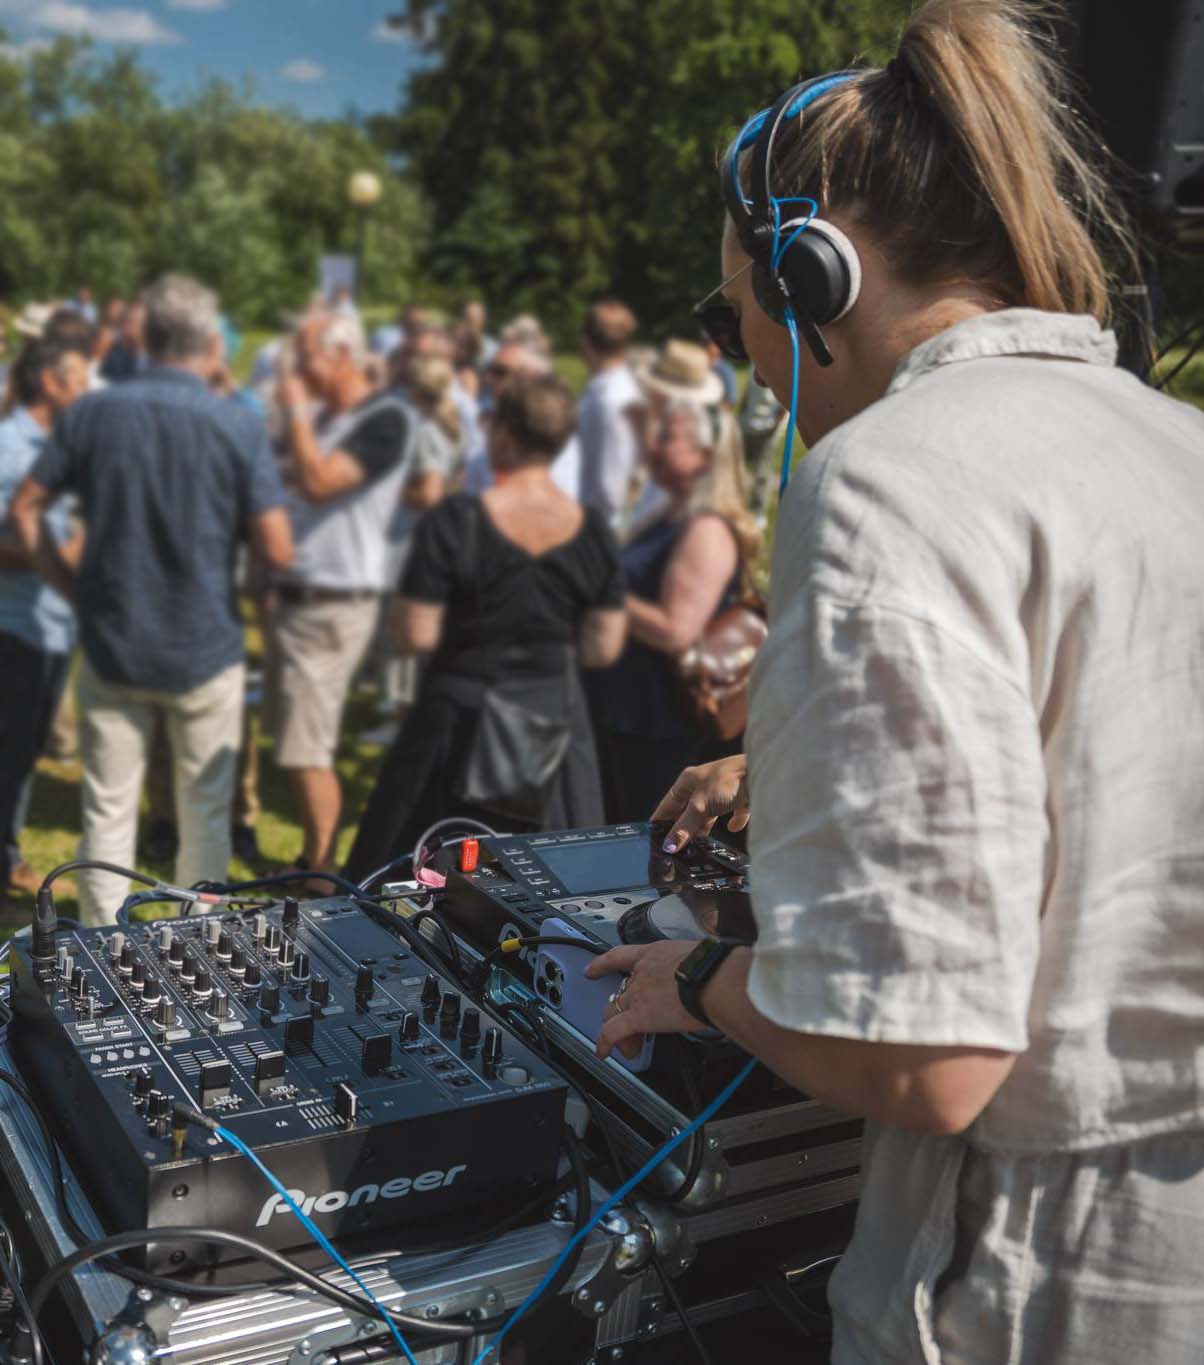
(411, 31)
(21, 52)
(196, 4)
(304, 71)
(106, 26)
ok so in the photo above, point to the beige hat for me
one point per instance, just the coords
(32, 319)
(682, 369)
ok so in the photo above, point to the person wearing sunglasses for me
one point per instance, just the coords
(976, 734)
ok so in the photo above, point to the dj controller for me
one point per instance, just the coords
(409, 1084)
(379, 1094)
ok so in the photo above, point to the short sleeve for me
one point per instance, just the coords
(377, 444)
(899, 833)
(266, 487)
(435, 551)
(611, 587)
(433, 453)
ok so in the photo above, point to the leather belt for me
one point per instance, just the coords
(302, 595)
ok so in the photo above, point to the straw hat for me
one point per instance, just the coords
(682, 369)
(32, 319)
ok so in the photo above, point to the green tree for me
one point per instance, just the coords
(568, 146)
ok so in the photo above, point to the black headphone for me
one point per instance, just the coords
(801, 265)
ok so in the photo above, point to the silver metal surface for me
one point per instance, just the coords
(776, 1206)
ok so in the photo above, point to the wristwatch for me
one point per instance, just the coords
(696, 969)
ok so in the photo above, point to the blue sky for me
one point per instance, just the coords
(320, 56)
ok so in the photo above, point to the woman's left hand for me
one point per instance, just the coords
(648, 1001)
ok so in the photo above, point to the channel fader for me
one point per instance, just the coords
(376, 1092)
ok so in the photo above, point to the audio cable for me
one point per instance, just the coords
(666, 1149)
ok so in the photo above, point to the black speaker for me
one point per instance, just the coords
(1142, 69)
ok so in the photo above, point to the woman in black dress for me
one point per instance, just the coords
(520, 587)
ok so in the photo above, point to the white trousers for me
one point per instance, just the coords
(204, 731)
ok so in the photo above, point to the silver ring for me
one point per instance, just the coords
(617, 1002)
(612, 997)
(623, 985)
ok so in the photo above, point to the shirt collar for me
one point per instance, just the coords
(1014, 331)
(172, 374)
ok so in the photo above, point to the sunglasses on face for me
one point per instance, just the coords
(720, 321)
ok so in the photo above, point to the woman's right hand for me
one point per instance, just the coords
(700, 796)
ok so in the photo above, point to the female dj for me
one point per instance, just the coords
(977, 732)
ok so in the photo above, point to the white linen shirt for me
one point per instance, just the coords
(976, 748)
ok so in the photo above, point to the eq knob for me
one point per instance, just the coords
(175, 954)
(408, 1029)
(430, 996)
(126, 960)
(470, 1031)
(252, 976)
(165, 1013)
(219, 1005)
(225, 945)
(213, 932)
(204, 980)
(449, 1014)
(79, 981)
(143, 1083)
(319, 991)
(269, 996)
(66, 966)
(363, 983)
(158, 1104)
(271, 939)
(259, 926)
(188, 970)
(238, 959)
(151, 991)
(290, 916)
(116, 944)
(166, 936)
(288, 952)
(137, 975)
(301, 967)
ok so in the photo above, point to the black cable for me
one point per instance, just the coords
(453, 947)
(1192, 352)
(82, 864)
(681, 1310)
(281, 879)
(1170, 345)
(35, 1333)
(124, 1241)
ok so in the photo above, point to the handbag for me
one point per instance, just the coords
(713, 674)
(515, 751)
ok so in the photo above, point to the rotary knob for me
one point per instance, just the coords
(319, 991)
(238, 959)
(213, 931)
(166, 937)
(301, 967)
(188, 970)
(269, 996)
(288, 951)
(491, 1051)
(137, 975)
(252, 976)
(151, 991)
(225, 945)
(116, 944)
(408, 1030)
(204, 980)
(259, 926)
(219, 1005)
(126, 960)
(290, 916)
(431, 993)
(175, 953)
(449, 1014)
(79, 981)
(158, 1104)
(165, 1013)
(271, 939)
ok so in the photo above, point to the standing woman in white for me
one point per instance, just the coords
(977, 730)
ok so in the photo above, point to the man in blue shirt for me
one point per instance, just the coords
(37, 625)
(171, 479)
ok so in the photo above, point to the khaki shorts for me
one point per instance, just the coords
(313, 650)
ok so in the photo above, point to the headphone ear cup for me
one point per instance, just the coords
(823, 270)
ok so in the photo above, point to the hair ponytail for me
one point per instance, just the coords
(963, 161)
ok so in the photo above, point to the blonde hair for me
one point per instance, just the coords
(428, 380)
(963, 161)
(722, 488)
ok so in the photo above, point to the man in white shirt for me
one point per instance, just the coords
(609, 450)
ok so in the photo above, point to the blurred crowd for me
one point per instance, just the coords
(423, 507)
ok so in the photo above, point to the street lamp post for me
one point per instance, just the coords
(364, 191)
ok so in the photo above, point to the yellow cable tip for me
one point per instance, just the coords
(511, 945)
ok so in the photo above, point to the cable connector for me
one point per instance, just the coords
(181, 1118)
(45, 928)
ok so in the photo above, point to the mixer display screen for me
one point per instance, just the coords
(584, 867)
